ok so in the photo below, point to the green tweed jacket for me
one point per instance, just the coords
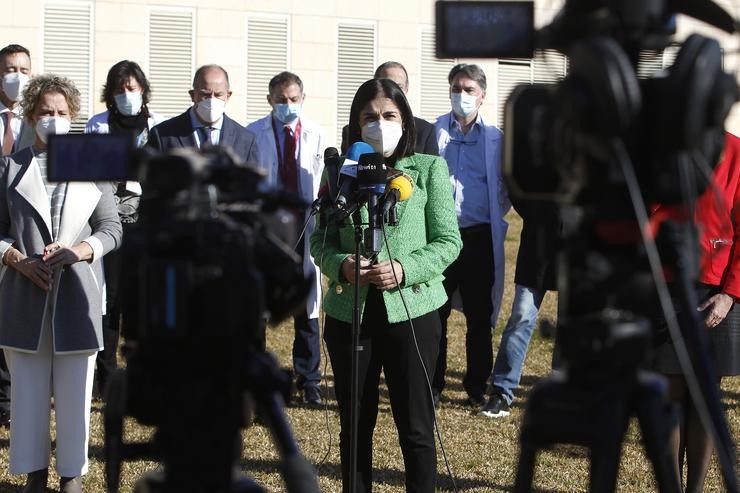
(425, 242)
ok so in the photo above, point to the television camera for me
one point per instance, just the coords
(206, 266)
(605, 146)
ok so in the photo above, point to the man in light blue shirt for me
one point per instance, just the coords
(472, 148)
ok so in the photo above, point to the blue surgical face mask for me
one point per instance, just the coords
(287, 112)
(129, 102)
(464, 104)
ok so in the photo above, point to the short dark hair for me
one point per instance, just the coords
(389, 65)
(12, 49)
(471, 70)
(368, 91)
(199, 73)
(284, 78)
(117, 76)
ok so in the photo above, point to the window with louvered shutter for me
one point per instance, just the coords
(68, 50)
(649, 62)
(669, 55)
(355, 65)
(548, 66)
(435, 89)
(267, 56)
(170, 60)
(511, 72)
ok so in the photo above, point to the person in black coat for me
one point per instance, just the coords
(536, 274)
(205, 123)
(426, 136)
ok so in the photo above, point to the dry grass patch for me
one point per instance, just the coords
(482, 452)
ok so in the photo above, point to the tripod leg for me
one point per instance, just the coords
(525, 471)
(605, 466)
(656, 419)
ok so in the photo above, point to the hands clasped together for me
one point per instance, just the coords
(40, 268)
(380, 274)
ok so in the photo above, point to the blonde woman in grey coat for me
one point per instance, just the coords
(52, 237)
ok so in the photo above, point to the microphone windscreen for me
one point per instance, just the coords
(330, 152)
(405, 186)
(358, 149)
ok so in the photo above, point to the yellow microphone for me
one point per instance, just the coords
(404, 184)
(399, 189)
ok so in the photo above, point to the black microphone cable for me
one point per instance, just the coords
(324, 351)
(421, 361)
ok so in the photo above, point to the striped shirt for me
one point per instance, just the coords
(55, 192)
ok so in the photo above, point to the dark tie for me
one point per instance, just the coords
(205, 136)
(8, 138)
(289, 168)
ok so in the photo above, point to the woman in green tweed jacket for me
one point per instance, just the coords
(414, 255)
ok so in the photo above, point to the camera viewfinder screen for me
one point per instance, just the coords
(89, 157)
(471, 29)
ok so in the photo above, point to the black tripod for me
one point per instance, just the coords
(591, 406)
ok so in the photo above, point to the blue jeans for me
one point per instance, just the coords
(507, 370)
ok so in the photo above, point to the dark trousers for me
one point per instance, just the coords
(4, 384)
(306, 351)
(306, 345)
(105, 362)
(391, 348)
(472, 273)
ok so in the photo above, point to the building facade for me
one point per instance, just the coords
(334, 45)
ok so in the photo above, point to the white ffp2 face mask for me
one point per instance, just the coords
(382, 135)
(52, 125)
(13, 85)
(129, 103)
(210, 110)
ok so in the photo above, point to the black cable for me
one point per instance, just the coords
(303, 230)
(421, 360)
(322, 324)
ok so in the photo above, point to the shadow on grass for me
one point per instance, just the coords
(6, 487)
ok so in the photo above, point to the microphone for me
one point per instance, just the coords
(358, 149)
(332, 162)
(372, 176)
(399, 189)
(348, 175)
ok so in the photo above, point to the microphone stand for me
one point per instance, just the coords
(356, 348)
(375, 215)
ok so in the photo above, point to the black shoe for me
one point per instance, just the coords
(70, 485)
(312, 395)
(4, 418)
(36, 481)
(476, 401)
(496, 407)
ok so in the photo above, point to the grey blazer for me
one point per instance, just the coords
(75, 301)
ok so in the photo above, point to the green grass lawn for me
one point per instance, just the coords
(482, 453)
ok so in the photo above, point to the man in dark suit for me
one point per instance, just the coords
(426, 137)
(205, 123)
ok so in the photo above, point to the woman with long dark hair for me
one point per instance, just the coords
(126, 95)
(400, 293)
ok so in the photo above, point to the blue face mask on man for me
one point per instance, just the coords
(287, 112)
(464, 104)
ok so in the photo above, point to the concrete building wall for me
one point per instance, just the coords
(120, 31)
